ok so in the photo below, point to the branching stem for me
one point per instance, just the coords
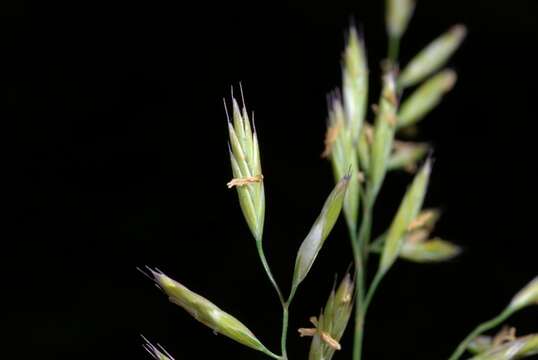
(485, 326)
(285, 304)
(268, 270)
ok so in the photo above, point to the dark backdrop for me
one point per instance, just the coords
(120, 160)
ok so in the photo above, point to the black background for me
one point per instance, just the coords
(117, 135)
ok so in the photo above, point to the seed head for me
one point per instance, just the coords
(206, 312)
(311, 245)
(332, 322)
(355, 83)
(425, 98)
(246, 169)
(407, 212)
(526, 297)
(432, 57)
(433, 250)
(398, 14)
(406, 155)
(383, 137)
(339, 145)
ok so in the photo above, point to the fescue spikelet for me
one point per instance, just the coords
(433, 250)
(417, 246)
(425, 98)
(406, 155)
(355, 84)
(339, 143)
(206, 312)
(332, 322)
(527, 296)
(407, 212)
(385, 125)
(433, 57)
(246, 169)
(398, 14)
(157, 352)
(311, 245)
(519, 348)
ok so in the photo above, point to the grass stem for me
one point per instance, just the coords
(283, 338)
(268, 270)
(394, 49)
(485, 326)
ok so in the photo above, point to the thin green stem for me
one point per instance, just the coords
(360, 318)
(485, 326)
(365, 231)
(285, 316)
(284, 304)
(283, 338)
(359, 287)
(394, 49)
(360, 250)
(371, 291)
(268, 270)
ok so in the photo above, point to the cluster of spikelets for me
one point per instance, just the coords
(362, 153)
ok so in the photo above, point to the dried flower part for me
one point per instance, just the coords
(407, 212)
(311, 245)
(425, 219)
(244, 181)
(246, 169)
(206, 312)
(406, 155)
(519, 348)
(355, 83)
(384, 130)
(156, 351)
(344, 159)
(484, 343)
(432, 57)
(325, 337)
(425, 98)
(398, 14)
(418, 230)
(526, 297)
(434, 250)
(332, 322)
(506, 334)
(331, 135)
